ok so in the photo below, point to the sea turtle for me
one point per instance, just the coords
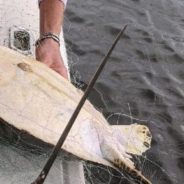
(35, 99)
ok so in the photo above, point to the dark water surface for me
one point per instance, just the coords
(144, 79)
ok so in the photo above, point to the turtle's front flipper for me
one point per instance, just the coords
(111, 151)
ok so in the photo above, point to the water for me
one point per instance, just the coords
(143, 81)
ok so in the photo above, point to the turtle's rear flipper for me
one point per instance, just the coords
(132, 174)
(112, 152)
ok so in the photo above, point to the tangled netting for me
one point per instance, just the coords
(143, 83)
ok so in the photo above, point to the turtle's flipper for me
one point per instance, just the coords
(133, 173)
(135, 138)
(113, 153)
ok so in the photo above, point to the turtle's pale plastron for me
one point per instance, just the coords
(35, 99)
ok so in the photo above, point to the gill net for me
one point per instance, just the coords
(143, 84)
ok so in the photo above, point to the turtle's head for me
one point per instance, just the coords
(135, 138)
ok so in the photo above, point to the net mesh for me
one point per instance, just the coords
(152, 80)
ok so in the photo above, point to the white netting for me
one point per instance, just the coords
(143, 84)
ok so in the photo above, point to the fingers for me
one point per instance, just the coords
(61, 70)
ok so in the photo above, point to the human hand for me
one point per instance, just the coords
(48, 52)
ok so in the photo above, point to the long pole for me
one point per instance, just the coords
(42, 176)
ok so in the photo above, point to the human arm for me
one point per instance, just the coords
(51, 20)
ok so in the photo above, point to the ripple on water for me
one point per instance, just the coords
(114, 29)
(181, 163)
(75, 18)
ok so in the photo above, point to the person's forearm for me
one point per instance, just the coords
(51, 20)
(51, 16)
